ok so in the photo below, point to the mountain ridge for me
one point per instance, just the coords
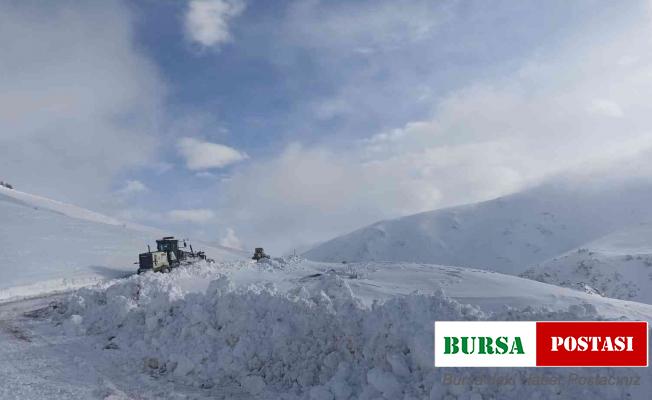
(507, 234)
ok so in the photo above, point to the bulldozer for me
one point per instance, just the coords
(156, 261)
(168, 255)
(259, 254)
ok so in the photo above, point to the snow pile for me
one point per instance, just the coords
(51, 287)
(279, 263)
(316, 341)
(618, 265)
(620, 277)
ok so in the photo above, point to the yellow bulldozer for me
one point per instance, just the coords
(168, 255)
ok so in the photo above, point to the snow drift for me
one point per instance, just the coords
(618, 265)
(316, 340)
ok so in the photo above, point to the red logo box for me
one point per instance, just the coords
(592, 344)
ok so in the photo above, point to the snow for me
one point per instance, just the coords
(50, 246)
(69, 210)
(296, 329)
(618, 265)
(506, 235)
(289, 328)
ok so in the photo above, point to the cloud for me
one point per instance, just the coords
(231, 240)
(201, 155)
(371, 55)
(198, 216)
(363, 27)
(78, 102)
(309, 193)
(606, 107)
(132, 187)
(205, 175)
(485, 139)
(207, 21)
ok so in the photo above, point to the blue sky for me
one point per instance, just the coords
(284, 123)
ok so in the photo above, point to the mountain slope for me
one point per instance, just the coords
(505, 235)
(69, 210)
(49, 245)
(618, 265)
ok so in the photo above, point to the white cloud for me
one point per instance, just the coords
(605, 107)
(309, 193)
(204, 155)
(375, 54)
(77, 100)
(198, 216)
(132, 187)
(483, 140)
(231, 240)
(363, 27)
(207, 21)
(205, 175)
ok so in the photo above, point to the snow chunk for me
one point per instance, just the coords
(384, 382)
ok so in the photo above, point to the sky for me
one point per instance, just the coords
(282, 124)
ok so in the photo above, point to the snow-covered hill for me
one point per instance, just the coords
(69, 210)
(48, 245)
(507, 234)
(618, 265)
(293, 329)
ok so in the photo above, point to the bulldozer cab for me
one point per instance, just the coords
(259, 254)
(168, 244)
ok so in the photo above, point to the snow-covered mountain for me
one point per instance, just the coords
(48, 245)
(618, 265)
(506, 234)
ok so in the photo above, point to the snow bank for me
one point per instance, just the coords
(49, 287)
(315, 341)
(618, 265)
